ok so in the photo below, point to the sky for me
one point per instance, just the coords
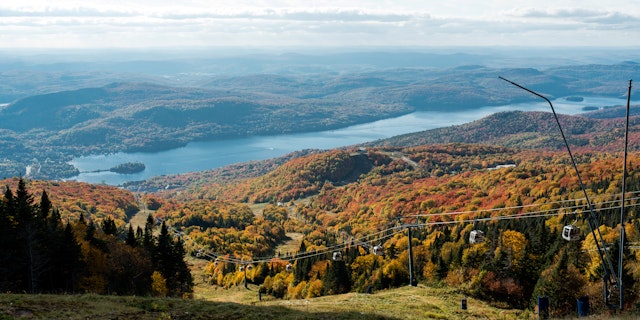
(309, 23)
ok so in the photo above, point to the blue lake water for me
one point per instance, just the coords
(199, 156)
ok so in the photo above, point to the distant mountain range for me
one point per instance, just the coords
(144, 116)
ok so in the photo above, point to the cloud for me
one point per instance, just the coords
(263, 23)
(581, 15)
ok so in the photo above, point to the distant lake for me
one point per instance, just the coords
(200, 156)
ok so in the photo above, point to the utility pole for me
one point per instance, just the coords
(245, 277)
(622, 213)
(411, 279)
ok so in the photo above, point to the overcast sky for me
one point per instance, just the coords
(310, 23)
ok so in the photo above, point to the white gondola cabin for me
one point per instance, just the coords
(571, 233)
(289, 267)
(215, 262)
(378, 250)
(337, 256)
(476, 236)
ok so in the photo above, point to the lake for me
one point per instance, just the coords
(200, 156)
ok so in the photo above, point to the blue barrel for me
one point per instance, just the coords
(543, 307)
(583, 306)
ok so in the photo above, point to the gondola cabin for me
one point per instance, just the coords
(476, 236)
(337, 256)
(571, 233)
(289, 267)
(241, 268)
(378, 250)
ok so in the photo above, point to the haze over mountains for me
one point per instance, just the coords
(58, 107)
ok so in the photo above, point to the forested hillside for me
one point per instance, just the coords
(44, 131)
(530, 130)
(353, 209)
(520, 199)
(80, 249)
(72, 199)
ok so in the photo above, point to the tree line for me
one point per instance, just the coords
(42, 254)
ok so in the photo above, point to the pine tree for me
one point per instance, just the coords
(32, 255)
(131, 237)
(66, 260)
(164, 258)
(109, 227)
(44, 208)
(148, 241)
(337, 279)
(302, 266)
(183, 274)
(24, 204)
(169, 261)
(9, 269)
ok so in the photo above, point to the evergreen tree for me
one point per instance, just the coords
(44, 208)
(164, 258)
(148, 241)
(9, 269)
(66, 262)
(23, 204)
(336, 279)
(169, 261)
(302, 266)
(562, 281)
(392, 251)
(109, 227)
(131, 237)
(32, 256)
(183, 273)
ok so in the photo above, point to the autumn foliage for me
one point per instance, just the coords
(350, 201)
(447, 191)
(45, 249)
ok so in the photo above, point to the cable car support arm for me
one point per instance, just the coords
(610, 279)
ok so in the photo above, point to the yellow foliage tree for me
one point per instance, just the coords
(297, 292)
(589, 245)
(314, 289)
(513, 246)
(474, 255)
(158, 285)
(430, 271)
(395, 272)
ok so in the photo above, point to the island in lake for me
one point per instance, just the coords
(128, 167)
(574, 99)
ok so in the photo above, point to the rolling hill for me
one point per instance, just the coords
(531, 130)
(45, 130)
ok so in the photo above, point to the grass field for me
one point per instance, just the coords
(212, 302)
(401, 303)
(419, 302)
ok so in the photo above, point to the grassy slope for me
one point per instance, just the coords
(211, 302)
(402, 303)
(239, 303)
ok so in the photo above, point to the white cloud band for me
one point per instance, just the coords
(112, 24)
